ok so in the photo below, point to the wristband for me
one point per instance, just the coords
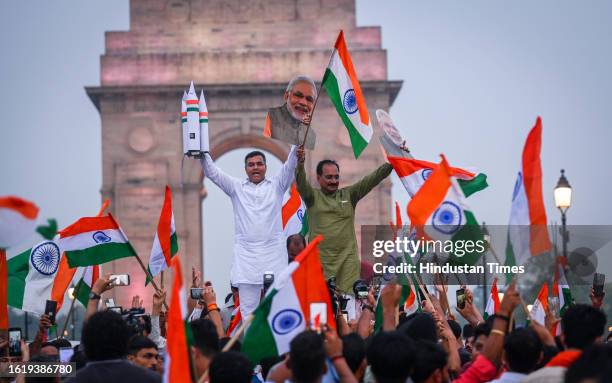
(212, 306)
(336, 357)
(502, 317)
(498, 332)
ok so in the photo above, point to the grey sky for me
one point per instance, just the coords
(476, 74)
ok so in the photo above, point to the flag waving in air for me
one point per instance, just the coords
(294, 215)
(342, 86)
(493, 301)
(438, 211)
(17, 220)
(94, 241)
(165, 244)
(540, 306)
(285, 311)
(90, 275)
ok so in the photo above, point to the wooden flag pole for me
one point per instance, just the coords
(149, 276)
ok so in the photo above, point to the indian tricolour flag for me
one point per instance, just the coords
(527, 231)
(439, 212)
(17, 220)
(540, 306)
(177, 364)
(340, 82)
(561, 290)
(90, 275)
(294, 216)
(165, 244)
(94, 241)
(493, 301)
(35, 276)
(285, 311)
(413, 174)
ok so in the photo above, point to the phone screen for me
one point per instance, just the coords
(461, 298)
(318, 315)
(121, 279)
(65, 354)
(15, 342)
(196, 292)
(50, 310)
(598, 283)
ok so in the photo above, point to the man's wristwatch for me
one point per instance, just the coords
(93, 295)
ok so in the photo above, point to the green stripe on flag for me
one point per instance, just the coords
(174, 247)
(17, 269)
(304, 231)
(81, 292)
(259, 341)
(474, 185)
(330, 83)
(99, 254)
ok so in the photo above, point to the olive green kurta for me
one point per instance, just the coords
(333, 216)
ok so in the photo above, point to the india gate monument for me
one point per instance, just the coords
(242, 53)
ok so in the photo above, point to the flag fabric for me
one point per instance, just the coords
(35, 276)
(341, 83)
(177, 364)
(413, 174)
(94, 241)
(408, 300)
(561, 290)
(493, 301)
(397, 226)
(165, 244)
(540, 306)
(90, 275)
(527, 231)
(235, 321)
(285, 311)
(17, 220)
(438, 211)
(294, 217)
(49, 230)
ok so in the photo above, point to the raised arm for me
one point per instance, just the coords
(303, 187)
(284, 178)
(223, 180)
(362, 187)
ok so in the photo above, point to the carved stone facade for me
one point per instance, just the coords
(242, 53)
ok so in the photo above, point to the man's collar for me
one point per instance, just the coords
(246, 181)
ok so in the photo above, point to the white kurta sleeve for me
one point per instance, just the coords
(223, 180)
(285, 176)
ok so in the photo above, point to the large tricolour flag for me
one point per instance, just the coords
(294, 215)
(285, 311)
(94, 241)
(342, 86)
(493, 301)
(165, 244)
(177, 364)
(438, 211)
(413, 174)
(527, 231)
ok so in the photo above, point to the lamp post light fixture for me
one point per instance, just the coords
(563, 201)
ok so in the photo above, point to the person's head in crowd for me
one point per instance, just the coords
(522, 350)
(61, 343)
(205, 344)
(582, 325)
(267, 364)
(354, 352)
(307, 357)
(105, 336)
(255, 166)
(391, 356)
(420, 326)
(295, 244)
(593, 366)
(481, 333)
(50, 350)
(225, 340)
(78, 358)
(456, 328)
(47, 379)
(230, 367)
(142, 351)
(429, 363)
(300, 96)
(468, 333)
(328, 176)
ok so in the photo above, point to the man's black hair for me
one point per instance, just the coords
(326, 162)
(522, 349)
(205, 337)
(481, 329)
(594, 365)
(306, 357)
(353, 350)
(61, 343)
(267, 364)
(230, 367)
(138, 342)
(581, 325)
(420, 326)
(254, 153)
(468, 331)
(290, 238)
(105, 336)
(455, 327)
(429, 358)
(391, 356)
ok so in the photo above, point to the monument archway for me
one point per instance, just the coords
(237, 51)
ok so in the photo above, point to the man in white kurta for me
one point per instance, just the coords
(259, 242)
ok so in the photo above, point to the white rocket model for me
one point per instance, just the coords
(184, 122)
(193, 124)
(204, 145)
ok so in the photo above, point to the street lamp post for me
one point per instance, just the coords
(563, 201)
(487, 238)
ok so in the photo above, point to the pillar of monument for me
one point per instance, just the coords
(242, 53)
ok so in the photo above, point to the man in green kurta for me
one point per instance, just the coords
(331, 212)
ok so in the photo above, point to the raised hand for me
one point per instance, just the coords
(103, 284)
(137, 302)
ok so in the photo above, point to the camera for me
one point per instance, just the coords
(137, 321)
(360, 288)
(338, 301)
